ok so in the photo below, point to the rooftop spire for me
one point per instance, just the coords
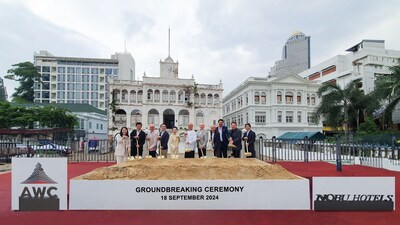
(169, 42)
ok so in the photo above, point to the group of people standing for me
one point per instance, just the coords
(219, 137)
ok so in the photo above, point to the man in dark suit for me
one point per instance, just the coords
(221, 140)
(235, 138)
(164, 137)
(249, 137)
(138, 138)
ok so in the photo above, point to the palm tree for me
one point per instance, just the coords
(336, 103)
(387, 90)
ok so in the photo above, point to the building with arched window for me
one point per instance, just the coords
(165, 99)
(273, 105)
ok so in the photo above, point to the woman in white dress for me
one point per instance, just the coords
(123, 145)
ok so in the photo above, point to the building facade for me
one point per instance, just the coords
(273, 105)
(367, 59)
(296, 56)
(80, 80)
(3, 91)
(165, 99)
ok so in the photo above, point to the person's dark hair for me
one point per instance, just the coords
(220, 120)
(233, 122)
(163, 124)
(127, 132)
(174, 127)
(247, 124)
(139, 123)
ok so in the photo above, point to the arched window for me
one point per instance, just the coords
(298, 98)
(124, 97)
(209, 99)
(216, 100)
(117, 95)
(181, 97)
(256, 97)
(183, 117)
(150, 95)
(136, 116)
(153, 117)
(202, 99)
(196, 99)
(132, 98)
(157, 96)
(139, 96)
(313, 99)
(263, 98)
(289, 97)
(279, 97)
(172, 97)
(120, 118)
(165, 96)
(199, 118)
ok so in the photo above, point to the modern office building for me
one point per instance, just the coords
(296, 56)
(3, 91)
(80, 80)
(366, 60)
(165, 99)
(273, 106)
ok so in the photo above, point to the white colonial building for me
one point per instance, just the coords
(273, 105)
(166, 99)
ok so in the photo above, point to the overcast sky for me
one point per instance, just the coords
(229, 40)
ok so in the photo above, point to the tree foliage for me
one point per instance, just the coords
(368, 127)
(338, 104)
(387, 92)
(26, 74)
(24, 117)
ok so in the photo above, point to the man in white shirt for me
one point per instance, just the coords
(190, 141)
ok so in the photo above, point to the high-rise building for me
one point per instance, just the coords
(295, 56)
(79, 80)
(3, 90)
(366, 60)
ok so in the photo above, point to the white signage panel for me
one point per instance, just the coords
(189, 194)
(39, 184)
(354, 193)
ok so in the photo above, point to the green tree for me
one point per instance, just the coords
(387, 91)
(26, 74)
(55, 117)
(337, 104)
(5, 117)
(368, 127)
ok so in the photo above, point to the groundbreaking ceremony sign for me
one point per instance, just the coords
(190, 194)
(39, 184)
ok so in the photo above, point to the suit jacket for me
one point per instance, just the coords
(251, 138)
(217, 139)
(164, 140)
(236, 136)
(141, 140)
(203, 135)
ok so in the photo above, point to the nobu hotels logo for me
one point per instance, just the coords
(367, 202)
(39, 192)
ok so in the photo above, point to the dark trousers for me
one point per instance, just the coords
(222, 152)
(236, 153)
(134, 150)
(204, 152)
(189, 154)
(153, 154)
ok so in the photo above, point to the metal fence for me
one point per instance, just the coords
(337, 151)
(273, 150)
(76, 151)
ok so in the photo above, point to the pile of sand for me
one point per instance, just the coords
(190, 169)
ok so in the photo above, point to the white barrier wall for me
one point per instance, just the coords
(189, 194)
